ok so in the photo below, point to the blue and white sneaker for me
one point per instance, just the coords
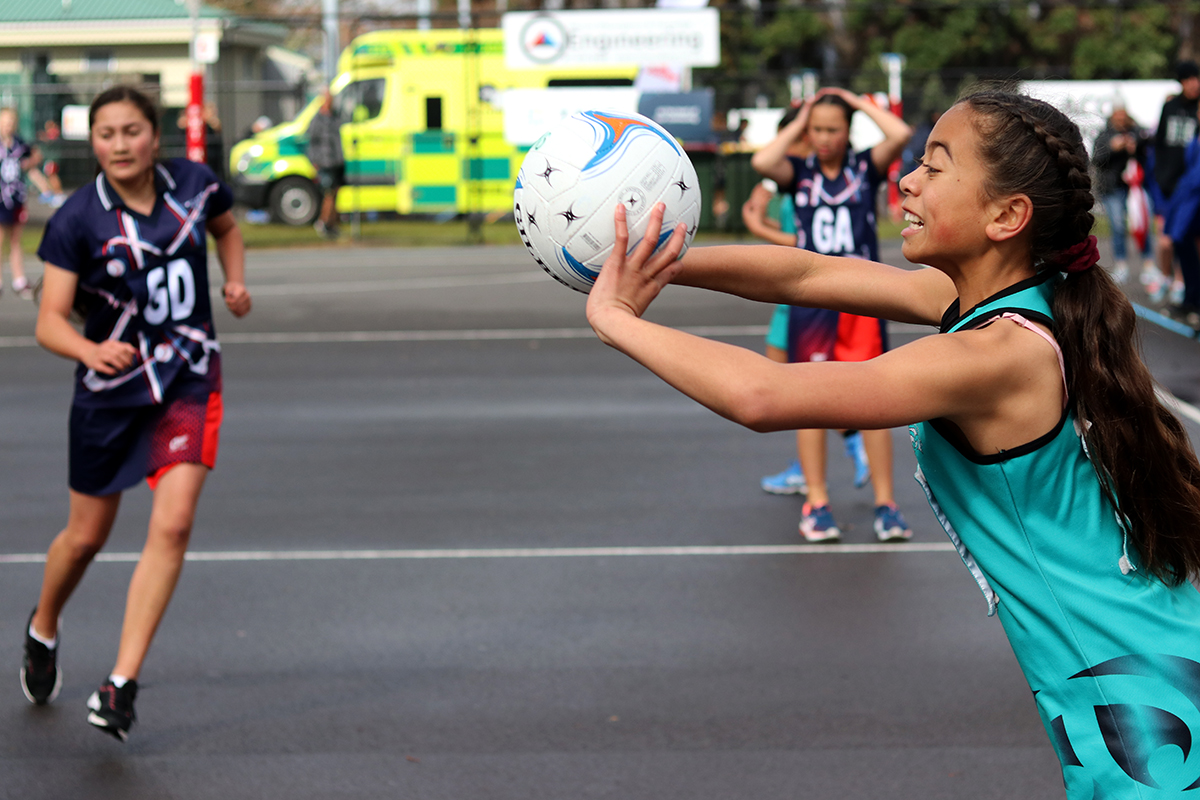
(790, 481)
(857, 453)
(1157, 288)
(1175, 295)
(890, 525)
(817, 524)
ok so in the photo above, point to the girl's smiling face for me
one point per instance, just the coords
(124, 141)
(945, 205)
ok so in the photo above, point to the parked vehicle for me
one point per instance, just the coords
(423, 128)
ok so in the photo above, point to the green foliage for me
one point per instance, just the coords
(1120, 44)
(955, 39)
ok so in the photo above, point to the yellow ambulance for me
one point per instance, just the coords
(422, 132)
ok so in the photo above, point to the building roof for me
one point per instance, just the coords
(80, 10)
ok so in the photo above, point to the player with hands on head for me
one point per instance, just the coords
(128, 252)
(778, 340)
(1034, 421)
(834, 189)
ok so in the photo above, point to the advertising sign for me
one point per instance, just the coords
(686, 115)
(687, 37)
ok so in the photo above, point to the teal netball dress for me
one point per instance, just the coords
(1111, 653)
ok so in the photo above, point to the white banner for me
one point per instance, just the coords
(613, 36)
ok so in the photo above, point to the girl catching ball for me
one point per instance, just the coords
(1071, 492)
(129, 253)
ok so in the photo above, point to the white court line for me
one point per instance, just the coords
(499, 334)
(1178, 406)
(351, 287)
(518, 552)
(479, 335)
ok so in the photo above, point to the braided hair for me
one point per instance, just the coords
(1145, 461)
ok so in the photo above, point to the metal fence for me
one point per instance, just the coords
(233, 106)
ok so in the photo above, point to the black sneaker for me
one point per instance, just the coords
(40, 676)
(112, 708)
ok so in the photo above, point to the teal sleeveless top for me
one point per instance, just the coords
(1111, 653)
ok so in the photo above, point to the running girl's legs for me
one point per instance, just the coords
(88, 525)
(158, 569)
(878, 445)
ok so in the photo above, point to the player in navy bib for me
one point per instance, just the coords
(834, 190)
(15, 158)
(129, 253)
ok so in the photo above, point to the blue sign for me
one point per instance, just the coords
(686, 115)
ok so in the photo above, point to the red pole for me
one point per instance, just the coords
(195, 120)
(894, 64)
(896, 107)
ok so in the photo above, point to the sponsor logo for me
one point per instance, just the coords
(1149, 729)
(543, 39)
(178, 443)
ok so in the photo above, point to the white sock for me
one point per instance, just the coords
(118, 680)
(37, 637)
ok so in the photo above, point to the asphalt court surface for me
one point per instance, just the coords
(456, 548)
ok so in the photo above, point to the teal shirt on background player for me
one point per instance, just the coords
(1111, 653)
(777, 330)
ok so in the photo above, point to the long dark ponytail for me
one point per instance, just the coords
(1140, 450)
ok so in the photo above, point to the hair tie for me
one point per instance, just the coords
(1078, 257)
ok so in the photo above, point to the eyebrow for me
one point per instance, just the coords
(934, 145)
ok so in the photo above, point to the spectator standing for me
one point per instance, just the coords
(1119, 155)
(1177, 125)
(325, 153)
(50, 145)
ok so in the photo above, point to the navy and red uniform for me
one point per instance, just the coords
(12, 181)
(835, 217)
(143, 280)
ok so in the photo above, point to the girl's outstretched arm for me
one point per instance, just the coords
(802, 278)
(997, 384)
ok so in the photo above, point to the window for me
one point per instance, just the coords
(361, 101)
(586, 82)
(433, 113)
(99, 61)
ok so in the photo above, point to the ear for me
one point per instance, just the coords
(1008, 217)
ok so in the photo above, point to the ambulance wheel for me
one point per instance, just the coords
(294, 201)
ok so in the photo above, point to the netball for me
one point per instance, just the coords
(575, 175)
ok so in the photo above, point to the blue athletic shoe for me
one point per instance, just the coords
(858, 454)
(790, 481)
(890, 525)
(817, 524)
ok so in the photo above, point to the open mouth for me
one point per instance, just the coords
(913, 220)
